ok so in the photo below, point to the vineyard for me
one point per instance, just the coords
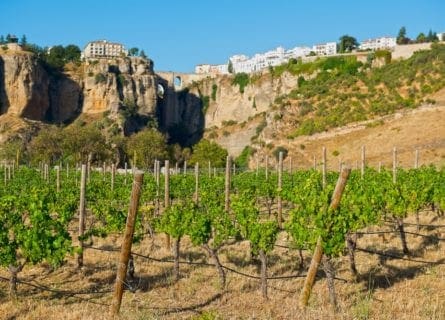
(199, 233)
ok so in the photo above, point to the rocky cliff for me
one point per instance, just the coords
(23, 86)
(29, 90)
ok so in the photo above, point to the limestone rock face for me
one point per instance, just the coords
(110, 84)
(23, 86)
(231, 104)
(27, 90)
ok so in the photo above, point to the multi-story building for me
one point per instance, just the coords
(378, 43)
(103, 49)
(325, 49)
(297, 52)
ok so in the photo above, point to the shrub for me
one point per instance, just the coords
(100, 78)
(242, 80)
(214, 89)
(205, 103)
(228, 122)
(279, 149)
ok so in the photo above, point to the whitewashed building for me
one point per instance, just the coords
(211, 69)
(378, 43)
(441, 36)
(297, 52)
(104, 49)
(325, 49)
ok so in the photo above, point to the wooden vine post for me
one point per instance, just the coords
(324, 166)
(126, 244)
(363, 163)
(196, 182)
(58, 178)
(113, 175)
(167, 195)
(280, 186)
(416, 159)
(83, 178)
(227, 185)
(318, 252)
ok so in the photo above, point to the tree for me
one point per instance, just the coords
(23, 41)
(84, 143)
(230, 67)
(11, 149)
(56, 57)
(133, 51)
(347, 43)
(432, 36)
(205, 151)
(421, 38)
(142, 54)
(2, 39)
(147, 146)
(47, 146)
(401, 37)
(72, 53)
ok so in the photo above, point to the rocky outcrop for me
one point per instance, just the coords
(29, 91)
(231, 104)
(110, 84)
(23, 86)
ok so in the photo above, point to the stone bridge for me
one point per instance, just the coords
(179, 80)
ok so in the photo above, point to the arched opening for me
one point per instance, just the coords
(160, 91)
(177, 82)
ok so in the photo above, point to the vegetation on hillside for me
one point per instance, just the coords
(335, 91)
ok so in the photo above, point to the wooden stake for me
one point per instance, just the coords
(416, 159)
(125, 173)
(363, 164)
(290, 165)
(126, 244)
(57, 179)
(113, 175)
(227, 185)
(323, 169)
(394, 165)
(210, 169)
(196, 181)
(82, 214)
(280, 185)
(167, 195)
(318, 252)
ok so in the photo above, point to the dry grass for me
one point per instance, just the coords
(386, 289)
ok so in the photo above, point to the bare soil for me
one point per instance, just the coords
(387, 288)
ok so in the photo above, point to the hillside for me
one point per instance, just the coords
(312, 100)
(340, 102)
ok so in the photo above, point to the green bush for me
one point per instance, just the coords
(214, 89)
(279, 149)
(100, 78)
(242, 80)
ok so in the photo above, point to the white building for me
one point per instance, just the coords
(211, 69)
(103, 49)
(441, 36)
(297, 52)
(378, 43)
(325, 49)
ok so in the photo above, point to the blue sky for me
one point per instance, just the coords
(178, 34)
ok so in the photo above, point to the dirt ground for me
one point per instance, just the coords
(387, 288)
(422, 129)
